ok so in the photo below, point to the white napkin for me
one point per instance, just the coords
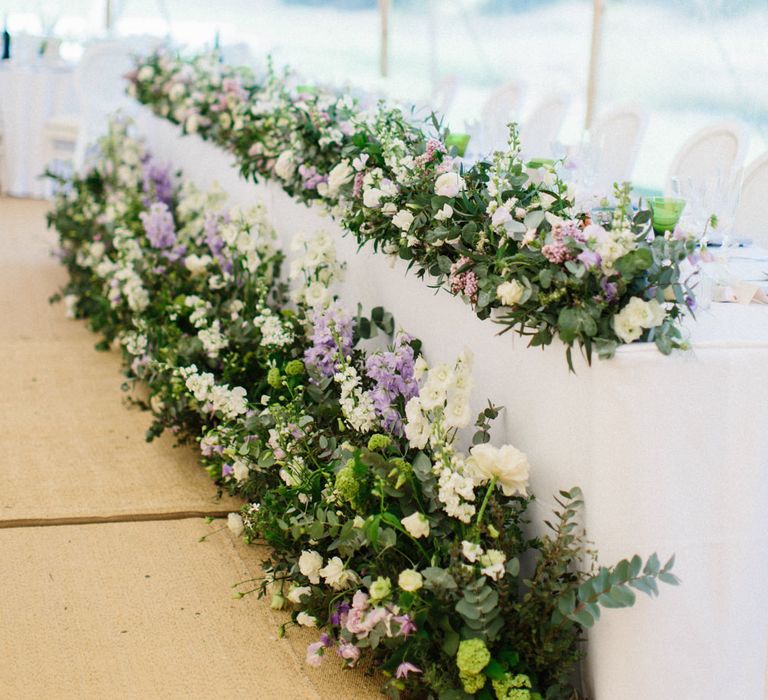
(740, 292)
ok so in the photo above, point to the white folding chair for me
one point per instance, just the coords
(613, 142)
(539, 131)
(444, 93)
(501, 108)
(750, 217)
(717, 150)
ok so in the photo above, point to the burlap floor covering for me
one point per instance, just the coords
(116, 609)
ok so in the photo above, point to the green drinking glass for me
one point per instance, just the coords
(666, 212)
(459, 141)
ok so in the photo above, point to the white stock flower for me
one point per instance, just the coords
(471, 551)
(492, 563)
(449, 184)
(403, 219)
(410, 580)
(508, 465)
(306, 620)
(310, 565)
(510, 293)
(235, 524)
(457, 413)
(416, 525)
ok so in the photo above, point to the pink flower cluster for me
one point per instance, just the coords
(463, 282)
(557, 251)
(359, 620)
(433, 146)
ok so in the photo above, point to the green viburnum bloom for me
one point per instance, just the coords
(511, 687)
(472, 657)
(380, 589)
(378, 442)
(472, 682)
(347, 484)
(273, 378)
(294, 368)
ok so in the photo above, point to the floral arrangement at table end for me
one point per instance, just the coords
(383, 531)
(502, 234)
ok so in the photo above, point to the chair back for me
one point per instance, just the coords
(750, 217)
(539, 131)
(500, 109)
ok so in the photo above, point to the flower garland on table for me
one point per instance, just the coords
(502, 234)
(385, 534)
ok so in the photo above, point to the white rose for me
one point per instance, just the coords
(410, 580)
(235, 524)
(297, 593)
(449, 185)
(403, 219)
(510, 293)
(285, 165)
(310, 565)
(306, 620)
(336, 576)
(445, 213)
(339, 176)
(508, 465)
(417, 525)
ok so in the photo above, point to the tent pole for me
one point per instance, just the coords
(594, 60)
(384, 38)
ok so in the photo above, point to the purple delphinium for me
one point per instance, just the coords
(331, 333)
(159, 226)
(157, 184)
(211, 226)
(392, 374)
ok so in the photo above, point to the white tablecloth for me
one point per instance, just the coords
(29, 96)
(671, 453)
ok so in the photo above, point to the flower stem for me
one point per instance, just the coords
(481, 512)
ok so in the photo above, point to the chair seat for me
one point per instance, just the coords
(62, 127)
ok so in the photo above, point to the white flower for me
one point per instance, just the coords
(297, 593)
(235, 524)
(306, 620)
(493, 564)
(359, 162)
(310, 565)
(510, 293)
(471, 551)
(636, 315)
(372, 197)
(508, 465)
(145, 73)
(417, 431)
(449, 185)
(457, 413)
(410, 580)
(445, 213)
(240, 470)
(441, 376)
(317, 295)
(432, 395)
(196, 264)
(339, 176)
(500, 217)
(403, 219)
(417, 525)
(192, 124)
(389, 209)
(336, 576)
(285, 165)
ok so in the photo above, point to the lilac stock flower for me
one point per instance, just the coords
(392, 374)
(406, 625)
(610, 289)
(589, 258)
(405, 668)
(331, 333)
(156, 182)
(311, 178)
(159, 226)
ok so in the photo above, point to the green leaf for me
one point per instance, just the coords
(494, 670)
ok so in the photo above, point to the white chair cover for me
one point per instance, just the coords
(539, 131)
(750, 218)
(499, 109)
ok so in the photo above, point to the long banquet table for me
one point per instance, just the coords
(670, 452)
